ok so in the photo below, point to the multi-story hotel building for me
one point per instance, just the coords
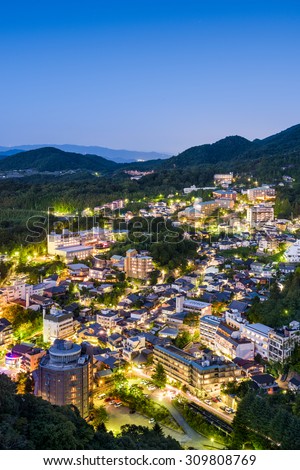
(260, 214)
(57, 324)
(258, 334)
(137, 266)
(65, 376)
(196, 374)
(263, 193)
(224, 194)
(208, 328)
(282, 342)
(107, 318)
(69, 245)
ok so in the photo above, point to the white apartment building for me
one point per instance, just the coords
(282, 342)
(57, 324)
(263, 193)
(195, 306)
(292, 254)
(190, 189)
(260, 214)
(208, 328)
(107, 319)
(258, 334)
(223, 178)
(132, 347)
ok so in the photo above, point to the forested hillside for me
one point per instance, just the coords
(28, 422)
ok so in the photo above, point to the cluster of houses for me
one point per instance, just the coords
(143, 325)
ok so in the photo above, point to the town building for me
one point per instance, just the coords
(223, 179)
(190, 189)
(195, 306)
(70, 245)
(228, 341)
(263, 193)
(107, 319)
(260, 214)
(224, 194)
(136, 265)
(258, 334)
(206, 373)
(265, 383)
(292, 254)
(78, 271)
(24, 357)
(208, 329)
(65, 376)
(132, 347)
(57, 324)
(6, 332)
(282, 342)
(114, 205)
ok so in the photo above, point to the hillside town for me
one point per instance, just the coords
(110, 315)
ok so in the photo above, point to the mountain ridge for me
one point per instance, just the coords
(233, 149)
(116, 155)
(52, 159)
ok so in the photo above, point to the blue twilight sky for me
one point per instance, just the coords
(147, 74)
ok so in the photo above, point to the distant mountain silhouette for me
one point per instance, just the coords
(234, 149)
(52, 159)
(119, 156)
(285, 143)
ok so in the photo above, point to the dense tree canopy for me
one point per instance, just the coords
(28, 422)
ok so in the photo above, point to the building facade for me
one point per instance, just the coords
(263, 193)
(282, 342)
(207, 374)
(137, 266)
(57, 324)
(260, 214)
(208, 329)
(65, 376)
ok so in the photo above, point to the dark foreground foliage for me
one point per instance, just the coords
(28, 422)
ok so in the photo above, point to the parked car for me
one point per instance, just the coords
(208, 402)
(151, 420)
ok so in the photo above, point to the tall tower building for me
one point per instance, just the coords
(137, 266)
(65, 376)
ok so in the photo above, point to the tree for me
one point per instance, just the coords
(25, 383)
(28, 422)
(182, 339)
(98, 416)
(159, 377)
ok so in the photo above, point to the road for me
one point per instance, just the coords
(121, 416)
(196, 440)
(211, 408)
(187, 438)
